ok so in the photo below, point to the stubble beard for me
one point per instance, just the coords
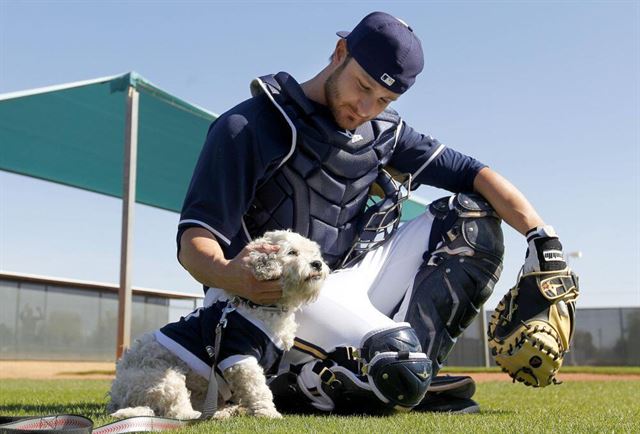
(332, 96)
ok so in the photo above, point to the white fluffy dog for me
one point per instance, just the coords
(154, 379)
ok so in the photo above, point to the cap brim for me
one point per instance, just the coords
(343, 33)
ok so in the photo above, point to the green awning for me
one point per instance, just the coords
(411, 209)
(74, 134)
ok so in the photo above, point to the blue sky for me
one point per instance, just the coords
(546, 93)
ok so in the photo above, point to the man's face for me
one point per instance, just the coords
(353, 96)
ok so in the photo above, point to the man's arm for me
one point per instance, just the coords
(201, 255)
(233, 161)
(431, 163)
(509, 203)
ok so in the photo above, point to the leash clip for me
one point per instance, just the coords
(230, 307)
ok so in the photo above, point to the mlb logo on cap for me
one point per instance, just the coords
(387, 79)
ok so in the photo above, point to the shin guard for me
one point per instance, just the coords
(461, 267)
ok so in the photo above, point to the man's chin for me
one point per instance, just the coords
(349, 123)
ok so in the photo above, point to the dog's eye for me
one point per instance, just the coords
(293, 252)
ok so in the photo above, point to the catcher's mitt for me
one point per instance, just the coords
(530, 330)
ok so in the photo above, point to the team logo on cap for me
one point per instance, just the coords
(386, 78)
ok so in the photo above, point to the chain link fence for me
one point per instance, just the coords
(60, 322)
(603, 337)
(63, 322)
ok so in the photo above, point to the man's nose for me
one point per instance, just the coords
(365, 107)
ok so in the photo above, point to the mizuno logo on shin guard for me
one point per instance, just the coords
(553, 255)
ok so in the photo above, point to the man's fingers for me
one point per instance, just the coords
(266, 285)
(271, 285)
(266, 248)
(270, 300)
(267, 297)
(269, 292)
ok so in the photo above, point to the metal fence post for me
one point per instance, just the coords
(483, 337)
(128, 205)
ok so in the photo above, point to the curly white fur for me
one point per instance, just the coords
(151, 380)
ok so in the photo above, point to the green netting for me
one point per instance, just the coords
(411, 209)
(170, 137)
(72, 136)
(75, 136)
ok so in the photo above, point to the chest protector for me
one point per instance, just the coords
(320, 188)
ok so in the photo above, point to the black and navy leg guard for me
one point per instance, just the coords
(461, 267)
(388, 371)
(398, 372)
(400, 380)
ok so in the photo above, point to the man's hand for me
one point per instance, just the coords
(241, 281)
(531, 329)
(202, 256)
(544, 252)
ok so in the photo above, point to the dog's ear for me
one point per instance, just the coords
(265, 266)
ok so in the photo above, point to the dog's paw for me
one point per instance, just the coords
(229, 411)
(269, 413)
(222, 415)
(124, 413)
(187, 415)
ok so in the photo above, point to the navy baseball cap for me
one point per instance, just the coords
(387, 49)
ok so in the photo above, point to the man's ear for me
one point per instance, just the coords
(340, 52)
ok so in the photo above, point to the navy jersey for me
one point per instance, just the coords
(248, 142)
(242, 146)
(243, 337)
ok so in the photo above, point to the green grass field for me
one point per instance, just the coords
(607, 370)
(598, 407)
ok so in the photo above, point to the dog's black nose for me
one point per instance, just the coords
(316, 265)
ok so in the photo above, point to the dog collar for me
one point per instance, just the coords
(237, 300)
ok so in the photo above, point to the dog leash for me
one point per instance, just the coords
(211, 400)
(75, 424)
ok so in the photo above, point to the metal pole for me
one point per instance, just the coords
(128, 203)
(485, 342)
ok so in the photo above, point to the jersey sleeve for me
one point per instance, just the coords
(230, 166)
(432, 163)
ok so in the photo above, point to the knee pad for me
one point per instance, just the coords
(461, 268)
(398, 372)
(400, 337)
(399, 379)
